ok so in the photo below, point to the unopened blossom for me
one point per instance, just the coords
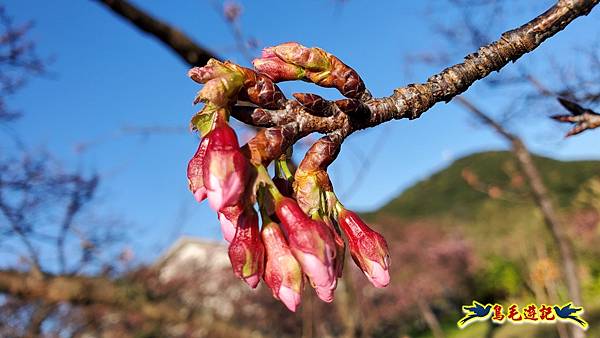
(292, 61)
(221, 83)
(226, 82)
(229, 217)
(282, 271)
(312, 244)
(276, 68)
(340, 248)
(225, 169)
(367, 247)
(194, 172)
(246, 250)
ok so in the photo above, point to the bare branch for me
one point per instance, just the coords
(415, 99)
(190, 51)
(584, 119)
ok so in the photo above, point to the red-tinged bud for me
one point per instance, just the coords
(213, 69)
(230, 220)
(315, 104)
(316, 65)
(313, 59)
(246, 251)
(194, 172)
(223, 82)
(221, 91)
(225, 169)
(277, 69)
(312, 244)
(354, 108)
(270, 143)
(282, 271)
(340, 248)
(260, 89)
(367, 247)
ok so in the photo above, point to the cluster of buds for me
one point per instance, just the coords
(302, 221)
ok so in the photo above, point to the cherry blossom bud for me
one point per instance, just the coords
(313, 59)
(260, 89)
(221, 91)
(246, 251)
(353, 107)
(340, 248)
(315, 104)
(367, 247)
(194, 172)
(309, 187)
(316, 65)
(312, 244)
(222, 83)
(225, 169)
(277, 69)
(282, 271)
(211, 70)
(229, 217)
(270, 143)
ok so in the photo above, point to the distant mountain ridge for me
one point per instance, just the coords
(486, 180)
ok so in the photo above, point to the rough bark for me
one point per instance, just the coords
(545, 204)
(190, 51)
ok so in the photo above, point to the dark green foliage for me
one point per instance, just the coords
(447, 194)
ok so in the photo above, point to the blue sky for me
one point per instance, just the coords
(106, 76)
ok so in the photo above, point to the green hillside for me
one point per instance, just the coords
(448, 195)
(484, 199)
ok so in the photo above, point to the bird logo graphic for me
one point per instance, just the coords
(569, 313)
(473, 313)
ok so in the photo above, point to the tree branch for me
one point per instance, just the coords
(190, 51)
(415, 99)
(583, 118)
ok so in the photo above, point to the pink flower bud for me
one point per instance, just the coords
(312, 244)
(194, 172)
(313, 59)
(221, 91)
(315, 65)
(225, 169)
(277, 69)
(282, 272)
(229, 217)
(367, 247)
(213, 69)
(222, 82)
(340, 248)
(246, 251)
